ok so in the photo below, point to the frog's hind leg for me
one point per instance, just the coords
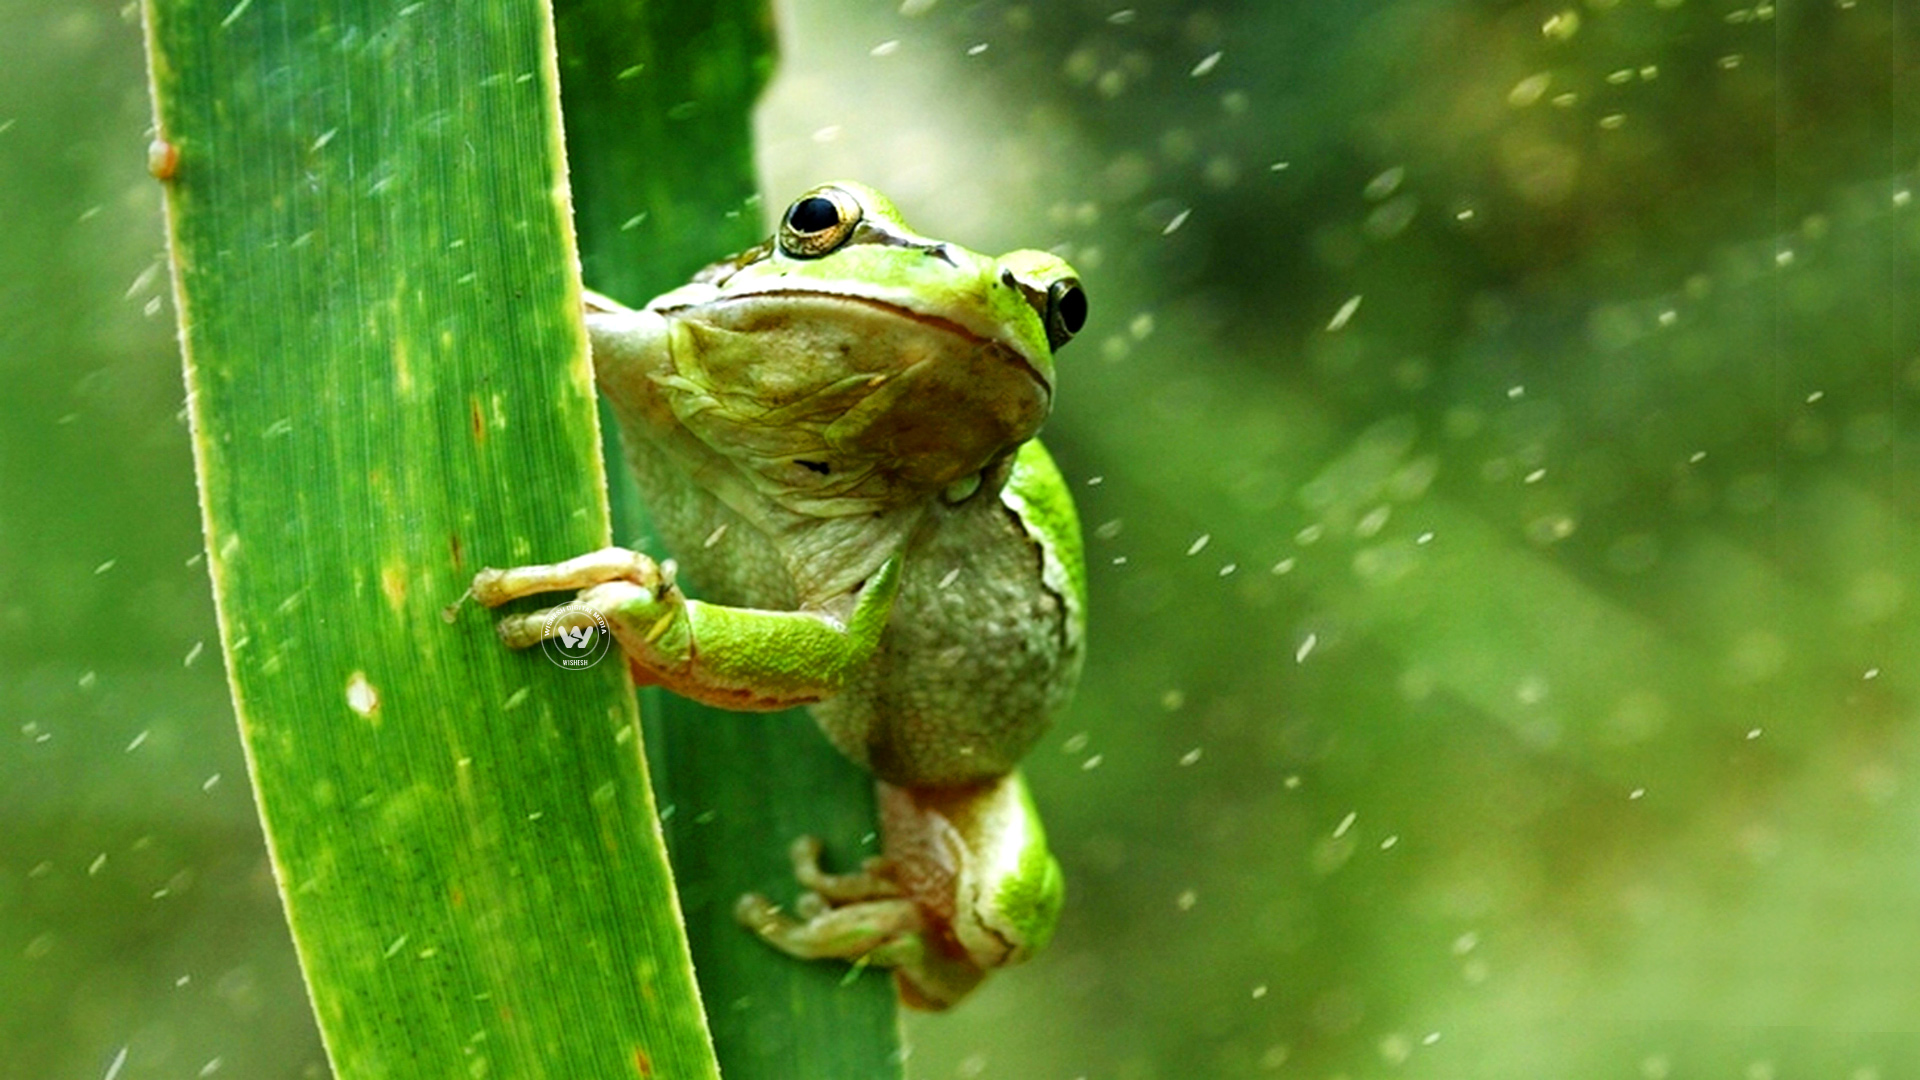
(848, 916)
(889, 933)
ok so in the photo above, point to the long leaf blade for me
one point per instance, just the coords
(388, 384)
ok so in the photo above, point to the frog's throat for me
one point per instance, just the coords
(932, 322)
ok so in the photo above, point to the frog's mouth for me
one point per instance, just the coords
(1004, 349)
(850, 387)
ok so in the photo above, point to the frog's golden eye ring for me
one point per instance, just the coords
(1066, 311)
(818, 222)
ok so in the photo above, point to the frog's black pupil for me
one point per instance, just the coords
(812, 215)
(1073, 309)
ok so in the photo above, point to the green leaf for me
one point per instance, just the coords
(389, 389)
(658, 105)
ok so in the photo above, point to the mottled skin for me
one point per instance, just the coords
(834, 434)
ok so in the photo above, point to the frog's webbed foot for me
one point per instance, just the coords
(864, 918)
(614, 572)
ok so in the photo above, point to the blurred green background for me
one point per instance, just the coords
(1498, 436)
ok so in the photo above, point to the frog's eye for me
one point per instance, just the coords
(818, 222)
(1066, 311)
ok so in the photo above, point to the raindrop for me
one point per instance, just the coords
(1385, 184)
(1529, 90)
(1344, 315)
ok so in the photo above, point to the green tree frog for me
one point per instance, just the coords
(834, 432)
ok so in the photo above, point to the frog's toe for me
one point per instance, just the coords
(804, 853)
(873, 881)
(523, 631)
(757, 913)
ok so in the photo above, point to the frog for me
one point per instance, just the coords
(835, 435)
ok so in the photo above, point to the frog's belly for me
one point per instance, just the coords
(975, 662)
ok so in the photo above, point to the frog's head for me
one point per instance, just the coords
(870, 363)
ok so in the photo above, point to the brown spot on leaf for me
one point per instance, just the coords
(393, 583)
(163, 159)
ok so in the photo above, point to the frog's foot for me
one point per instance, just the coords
(873, 881)
(863, 918)
(870, 931)
(615, 571)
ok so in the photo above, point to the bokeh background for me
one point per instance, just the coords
(1498, 438)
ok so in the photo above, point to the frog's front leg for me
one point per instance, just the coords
(967, 886)
(734, 658)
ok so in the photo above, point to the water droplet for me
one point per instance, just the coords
(1529, 90)
(1344, 315)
